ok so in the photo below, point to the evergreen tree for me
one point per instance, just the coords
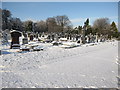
(87, 22)
(114, 30)
(28, 26)
(88, 29)
(6, 16)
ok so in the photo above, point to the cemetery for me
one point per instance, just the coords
(58, 52)
(48, 62)
(47, 59)
(31, 42)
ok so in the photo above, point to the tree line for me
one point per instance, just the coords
(60, 23)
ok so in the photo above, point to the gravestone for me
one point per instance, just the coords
(53, 37)
(83, 39)
(87, 39)
(77, 37)
(70, 37)
(96, 38)
(56, 37)
(31, 37)
(25, 40)
(93, 38)
(15, 39)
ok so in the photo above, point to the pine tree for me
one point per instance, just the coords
(88, 27)
(87, 22)
(114, 30)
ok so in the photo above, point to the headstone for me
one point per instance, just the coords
(53, 37)
(96, 39)
(15, 39)
(25, 40)
(31, 37)
(48, 37)
(77, 37)
(56, 37)
(83, 39)
(70, 37)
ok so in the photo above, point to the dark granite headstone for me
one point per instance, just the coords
(31, 37)
(15, 39)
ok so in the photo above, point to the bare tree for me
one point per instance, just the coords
(102, 25)
(41, 26)
(62, 21)
(51, 24)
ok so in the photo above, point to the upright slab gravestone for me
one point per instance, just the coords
(15, 39)
(25, 40)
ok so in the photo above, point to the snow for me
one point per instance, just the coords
(85, 66)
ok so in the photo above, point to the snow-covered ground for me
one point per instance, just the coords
(86, 66)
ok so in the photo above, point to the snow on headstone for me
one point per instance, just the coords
(24, 38)
(87, 39)
(56, 37)
(96, 38)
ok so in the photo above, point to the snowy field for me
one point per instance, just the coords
(86, 66)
